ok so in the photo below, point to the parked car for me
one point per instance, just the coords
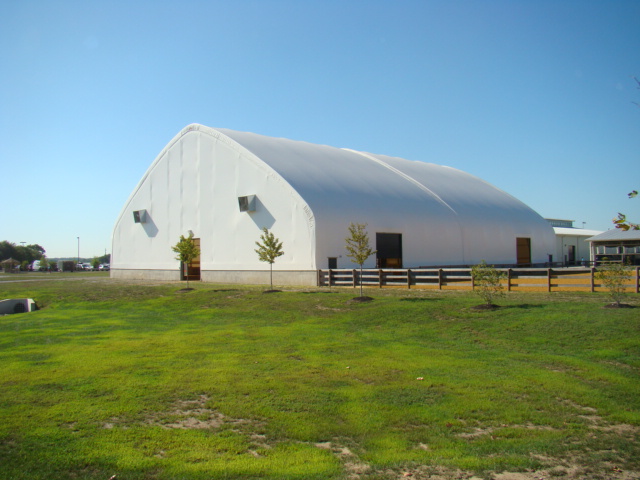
(105, 267)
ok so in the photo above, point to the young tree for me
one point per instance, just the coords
(186, 250)
(95, 263)
(487, 282)
(7, 250)
(613, 276)
(68, 265)
(358, 248)
(269, 250)
(622, 222)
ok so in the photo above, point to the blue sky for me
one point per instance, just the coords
(535, 97)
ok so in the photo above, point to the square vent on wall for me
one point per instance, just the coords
(247, 203)
(140, 216)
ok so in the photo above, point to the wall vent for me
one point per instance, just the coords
(140, 216)
(247, 203)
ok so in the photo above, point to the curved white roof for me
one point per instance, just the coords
(460, 213)
(308, 194)
(576, 232)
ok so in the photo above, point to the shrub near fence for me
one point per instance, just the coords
(517, 279)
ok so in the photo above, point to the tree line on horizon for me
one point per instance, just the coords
(25, 255)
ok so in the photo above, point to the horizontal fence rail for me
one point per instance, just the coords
(516, 279)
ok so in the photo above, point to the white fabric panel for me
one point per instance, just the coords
(307, 195)
(491, 219)
(342, 186)
(194, 184)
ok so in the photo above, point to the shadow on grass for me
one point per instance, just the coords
(616, 305)
(321, 291)
(418, 299)
(494, 307)
(525, 306)
(363, 299)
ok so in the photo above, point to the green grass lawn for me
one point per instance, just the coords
(144, 382)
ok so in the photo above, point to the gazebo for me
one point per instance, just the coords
(9, 265)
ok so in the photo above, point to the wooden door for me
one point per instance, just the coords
(523, 251)
(193, 269)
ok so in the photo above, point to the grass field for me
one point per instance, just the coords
(143, 381)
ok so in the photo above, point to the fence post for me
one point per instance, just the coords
(327, 278)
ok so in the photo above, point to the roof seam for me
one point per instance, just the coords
(406, 177)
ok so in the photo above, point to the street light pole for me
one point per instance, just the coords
(78, 254)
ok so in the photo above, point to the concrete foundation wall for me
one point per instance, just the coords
(258, 277)
(164, 275)
(247, 277)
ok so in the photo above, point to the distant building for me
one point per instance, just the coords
(226, 186)
(572, 247)
(616, 245)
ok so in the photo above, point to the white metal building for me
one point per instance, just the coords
(572, 247)
(225, 186)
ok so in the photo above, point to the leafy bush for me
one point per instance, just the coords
(487, 282)
(613, 276)
(68, 266)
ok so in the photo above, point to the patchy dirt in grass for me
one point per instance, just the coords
(193, 414)
(354, 468)
(578, 465)
(479, 432)
(330, 309)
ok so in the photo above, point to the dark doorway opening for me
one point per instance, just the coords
(523, 251)
(333, 263)
(191, 270)
(389, 250)
(571, 253)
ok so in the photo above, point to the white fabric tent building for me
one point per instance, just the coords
(225, 186)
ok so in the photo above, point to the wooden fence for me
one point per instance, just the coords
(517, 279)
